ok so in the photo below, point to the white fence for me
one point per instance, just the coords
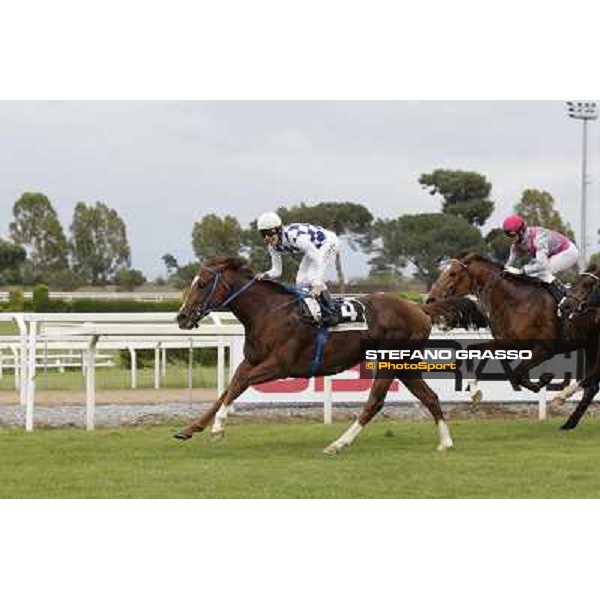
(90, 334)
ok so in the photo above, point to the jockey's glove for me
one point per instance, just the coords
(316, 288)
(513, 270)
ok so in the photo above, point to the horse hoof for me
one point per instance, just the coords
(477, 397)
(332, 450)
(557, 401)
(444, 447)
(217, 436)
(182, 435)
(567, 426)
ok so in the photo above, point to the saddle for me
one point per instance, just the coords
(350, 313)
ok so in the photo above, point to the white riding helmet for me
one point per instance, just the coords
(268, 220)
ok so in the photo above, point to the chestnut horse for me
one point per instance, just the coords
(280, 343)
(520, 309)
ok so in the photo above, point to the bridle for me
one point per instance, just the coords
(452, 288)
(581, 304)
(205, 307)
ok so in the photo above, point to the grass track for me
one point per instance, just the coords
(493, 459)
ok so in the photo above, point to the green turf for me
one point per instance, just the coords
(493, 459)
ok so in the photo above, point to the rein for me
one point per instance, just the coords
(581, 302)
(204, 308)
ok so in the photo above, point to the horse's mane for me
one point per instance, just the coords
(236, 263)
(473, 256)
(522, 280)
(239, 264)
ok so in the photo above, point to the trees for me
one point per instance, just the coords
(12, 258)
(99, 245)
(498, 244)
(37, 228)
(216, 236)
(465, 193)
(537, 208)
(128, 279)
(422, 240)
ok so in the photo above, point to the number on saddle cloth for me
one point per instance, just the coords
(350, 310)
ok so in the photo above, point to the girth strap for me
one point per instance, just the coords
(322, 337)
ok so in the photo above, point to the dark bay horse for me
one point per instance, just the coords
(584, 294)
(279, 343)
(519, 309)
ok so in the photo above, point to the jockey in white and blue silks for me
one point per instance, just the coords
(318, 247)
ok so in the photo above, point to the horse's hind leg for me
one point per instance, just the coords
(419, 388)
(575, 416)
(374, 404)
(590, 383)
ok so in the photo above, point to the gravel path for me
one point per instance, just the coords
(139, 413)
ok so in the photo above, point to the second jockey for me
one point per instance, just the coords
(550, 252)
(318, 247)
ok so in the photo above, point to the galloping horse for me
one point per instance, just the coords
(279, 343)
(584, 294)
(519, 309)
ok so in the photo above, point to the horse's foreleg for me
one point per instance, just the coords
(374, 403)
(590, 384)
(419, 388)
(575, 416)
(521, 373)
(474, 391)
(239, 383)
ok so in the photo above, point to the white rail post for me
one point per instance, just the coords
(29, 384)
(133, 356)
(157, 366)
(1, 363)
(22, 364)
(327, 400)
(17, 359)
(543, 404)
(220, 367)
(90, 384)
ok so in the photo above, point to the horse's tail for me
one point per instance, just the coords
(455, 312)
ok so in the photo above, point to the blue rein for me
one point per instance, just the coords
(205, 308)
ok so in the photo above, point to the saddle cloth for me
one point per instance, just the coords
(351, 313)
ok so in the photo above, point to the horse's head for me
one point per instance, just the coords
(454, 280)
(576, 302)
(213, 286)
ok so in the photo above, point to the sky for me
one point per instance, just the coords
(163, 165)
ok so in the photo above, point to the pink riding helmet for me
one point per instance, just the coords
(513, 224)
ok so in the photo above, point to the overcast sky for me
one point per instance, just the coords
(163, 165)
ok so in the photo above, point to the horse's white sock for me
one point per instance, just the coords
(444, 434)
(350, 434)
(220, 418)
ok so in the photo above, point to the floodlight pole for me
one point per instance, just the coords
(584, 184)
(584, 111)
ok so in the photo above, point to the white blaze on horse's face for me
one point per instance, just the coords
(194, 282)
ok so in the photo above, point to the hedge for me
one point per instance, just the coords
(91, 305)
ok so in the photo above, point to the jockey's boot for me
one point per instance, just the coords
(557, 288)
(329, 316)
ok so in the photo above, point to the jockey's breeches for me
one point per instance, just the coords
(311, 270)
(559, 262)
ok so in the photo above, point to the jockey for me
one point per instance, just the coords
(319, 248)
(551, 251)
